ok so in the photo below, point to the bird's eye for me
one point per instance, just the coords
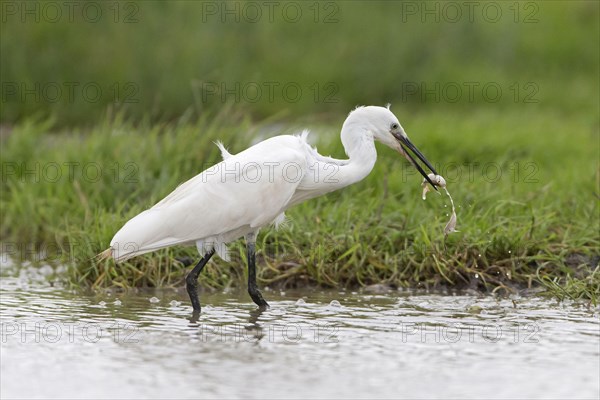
(395, 126)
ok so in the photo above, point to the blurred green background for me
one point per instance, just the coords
(75, 60)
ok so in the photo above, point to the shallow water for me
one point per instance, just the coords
(62, 344)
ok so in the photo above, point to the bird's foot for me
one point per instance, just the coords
(257, 298)
(195, 316)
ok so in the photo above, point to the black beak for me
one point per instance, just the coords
(407, 145)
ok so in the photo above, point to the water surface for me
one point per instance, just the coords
(62, 344)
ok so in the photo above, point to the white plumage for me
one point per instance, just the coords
(237, 196)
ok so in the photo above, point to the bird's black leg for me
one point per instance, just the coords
(252, 287)
(191, 280)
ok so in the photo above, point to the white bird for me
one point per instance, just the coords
(252, 189)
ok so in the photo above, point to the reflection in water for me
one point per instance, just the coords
(253, 325)
(308, 344)
(252, 329)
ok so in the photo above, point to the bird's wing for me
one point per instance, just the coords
(322, 175)
(249, 189)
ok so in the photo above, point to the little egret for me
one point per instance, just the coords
(252, 189)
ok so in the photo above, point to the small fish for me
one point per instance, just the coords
(425, 190)
(439, 180)
(451, 225)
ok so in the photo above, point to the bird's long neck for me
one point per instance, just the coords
(329, 174)
(362, 155)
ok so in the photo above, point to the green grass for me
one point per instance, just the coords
(537, 227)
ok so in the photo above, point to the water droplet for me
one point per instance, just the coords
(509, 252)
(117, 302)
(335, 303)
(476, 276)
(154, 300)
(479, 255)
(300, 302)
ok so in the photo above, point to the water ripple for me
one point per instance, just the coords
(308, 344)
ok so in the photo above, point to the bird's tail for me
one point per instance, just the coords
(105, 255)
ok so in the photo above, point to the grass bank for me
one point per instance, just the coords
(526, 196)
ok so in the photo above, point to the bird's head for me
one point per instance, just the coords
(383, 125)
